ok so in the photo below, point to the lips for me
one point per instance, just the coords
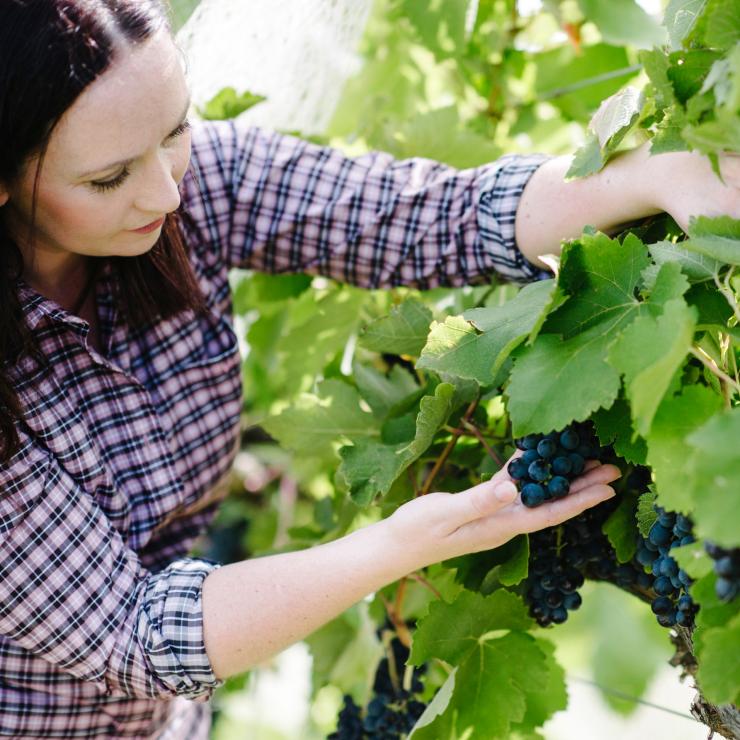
(150, 227)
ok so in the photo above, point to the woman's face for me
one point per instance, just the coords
(113, 165)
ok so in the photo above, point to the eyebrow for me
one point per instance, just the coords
(127, 162)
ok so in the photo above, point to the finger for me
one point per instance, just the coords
(556, 512)
(483, 500)
(597, 474)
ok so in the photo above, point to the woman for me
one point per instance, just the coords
(120, 385)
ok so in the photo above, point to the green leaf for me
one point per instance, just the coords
(669, 455)
(680, 17)
(515, 569)
(456, 347)
(313, 422)
(718, 238)
(227, 103)
(344, 652)
(588, 158)
(614, 426)
(491, 689)
(719, 673)
(450, 631)
(648, 353)
(713, 612)
(620, 528)
(403, 332)
(694, 265)
(384, 392)
(318, 329)
(600, 276)
(370, 468)
(715, 478)
(670, 283)
(555, 382)
(542, 704)
(646, 514)
(693, 558)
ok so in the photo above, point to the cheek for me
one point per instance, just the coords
(77, 213)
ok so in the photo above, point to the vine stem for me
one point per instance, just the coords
(424, 582)
(447, 450)
(398, 624)
(726, 290)
(492, 453)
(708, 362)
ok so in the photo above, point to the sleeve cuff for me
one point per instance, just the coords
(170, 628)
(500, 191)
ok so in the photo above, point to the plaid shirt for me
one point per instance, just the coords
(124, 454)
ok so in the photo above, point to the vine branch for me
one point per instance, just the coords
(442, 459)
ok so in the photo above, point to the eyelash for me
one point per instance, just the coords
(117, 181)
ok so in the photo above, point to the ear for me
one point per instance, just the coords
(4, 196)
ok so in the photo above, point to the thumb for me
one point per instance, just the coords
(484, 499)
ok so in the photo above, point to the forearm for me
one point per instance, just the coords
(551, 210)
(255, 608)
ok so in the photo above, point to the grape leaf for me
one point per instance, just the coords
(694, 265)
(718, 238)
(600, 276)
(620, 528)
(515, 569)
(370, 468)
(542, 704)
(713, 612)
(693, 558)
(555, 382)
(669, 455)
(435, 709)
(614, 426)
(715, 477)
(719, 677)
(450, 631)
(679, 18)
(491, 689)
(312, 422)
(384, 392)
(648, 353)
(227, 103)
(646, 515)
(670, 283)
(403, 332)
(455, 346)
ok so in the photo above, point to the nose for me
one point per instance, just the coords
(159, 193)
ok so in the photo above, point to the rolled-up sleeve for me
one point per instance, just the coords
(73, 593)
(276, 203)
(500, 191)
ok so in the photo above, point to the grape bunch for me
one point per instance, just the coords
(392, 711)
(552, 585)
(672, 604)
(562, 557)
(550, 461)
(727, 568)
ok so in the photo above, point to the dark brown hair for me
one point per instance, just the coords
(50, 51)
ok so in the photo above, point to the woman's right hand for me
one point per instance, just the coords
(439, 526)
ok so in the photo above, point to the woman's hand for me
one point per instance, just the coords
(439, 526)
(684, 184)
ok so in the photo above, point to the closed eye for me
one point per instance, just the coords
(119, 179)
